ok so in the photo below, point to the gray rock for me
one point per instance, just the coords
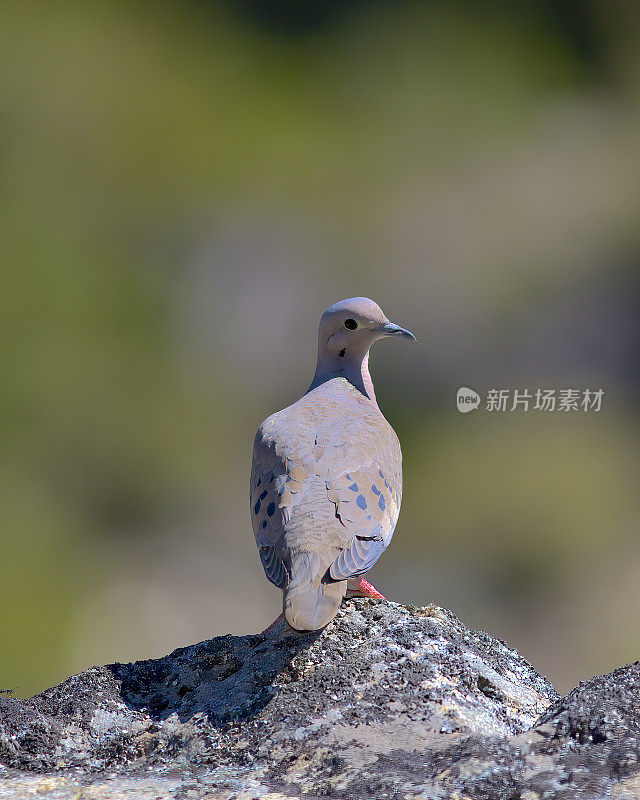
(598, 710)
(387, 701)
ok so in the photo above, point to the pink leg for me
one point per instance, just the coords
(358, 587)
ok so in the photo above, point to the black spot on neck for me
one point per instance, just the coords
(341, 354)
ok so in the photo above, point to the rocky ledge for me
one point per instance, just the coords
(388, 701)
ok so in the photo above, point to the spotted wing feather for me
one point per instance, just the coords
(278, 484)
(368, 503)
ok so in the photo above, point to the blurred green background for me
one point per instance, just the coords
(186, 186)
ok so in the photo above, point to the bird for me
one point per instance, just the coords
(326, 475)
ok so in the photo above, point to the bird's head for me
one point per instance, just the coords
(347, 331)
(349, 328)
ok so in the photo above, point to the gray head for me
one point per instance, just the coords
(347, 331)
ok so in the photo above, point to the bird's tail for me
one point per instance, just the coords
(310, 604)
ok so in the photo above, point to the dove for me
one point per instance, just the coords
(326, 477)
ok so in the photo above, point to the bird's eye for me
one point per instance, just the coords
(351, 324)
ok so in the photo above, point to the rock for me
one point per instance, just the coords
(387, 701)
(598, 710)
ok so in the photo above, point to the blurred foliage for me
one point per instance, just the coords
(185, 187)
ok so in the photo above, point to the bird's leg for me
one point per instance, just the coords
(358, 587)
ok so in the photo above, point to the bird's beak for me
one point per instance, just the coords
(391, 329)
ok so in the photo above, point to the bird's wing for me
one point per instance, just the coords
(279, 483)
(367, 501)
(267, 517)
